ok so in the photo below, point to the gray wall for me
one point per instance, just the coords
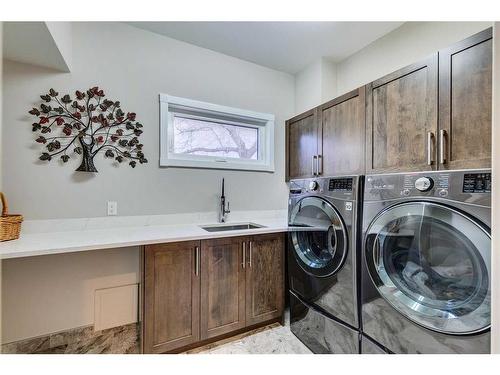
(134, 66)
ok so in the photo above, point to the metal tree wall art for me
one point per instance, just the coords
(87, 125)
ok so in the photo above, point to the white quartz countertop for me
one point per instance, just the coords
(43, 237)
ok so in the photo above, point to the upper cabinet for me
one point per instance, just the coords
(431, 115)
(341, 141)
(465, 74)
(409, 129)
(328, 140)
(401, 119)
(302, 145)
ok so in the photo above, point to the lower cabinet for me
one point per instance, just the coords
(223, 286)
(196, 291)
(171, 296)
(264, 278)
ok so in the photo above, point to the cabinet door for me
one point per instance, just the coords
(222, 286)
(264, 278)
(401, 119)
(342, 138)
(301, 145)
(465, 76)
(172, 295)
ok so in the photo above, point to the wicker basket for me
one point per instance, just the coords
(10, 225)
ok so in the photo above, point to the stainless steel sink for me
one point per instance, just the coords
(226, 227)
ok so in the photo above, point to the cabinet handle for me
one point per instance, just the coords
(243, 254)
(312, 165)
(442, 144)
(197, 260)
(429, 147)
(319, 165)
(250, 254)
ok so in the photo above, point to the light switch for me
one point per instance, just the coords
(112, 208)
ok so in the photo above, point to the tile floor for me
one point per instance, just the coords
(277, 339)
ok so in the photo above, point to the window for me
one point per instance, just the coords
(203, 135)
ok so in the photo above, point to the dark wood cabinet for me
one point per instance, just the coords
(328, 140)
(403, 110)
(401, 119)
(222, 286)
(171, 296)
(465, 104)
(432, 115)
(264, 278)
(199, 291)
(301, 145)
(342, 135)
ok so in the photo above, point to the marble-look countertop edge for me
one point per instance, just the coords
(38, 244)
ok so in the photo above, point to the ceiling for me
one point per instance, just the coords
(284, 46)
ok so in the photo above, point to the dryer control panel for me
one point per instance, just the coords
(340, 184)
(477, 183)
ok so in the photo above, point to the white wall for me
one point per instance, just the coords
(329, 80)
(1, 95)
(62, 33)
(52, 293)
(134, 66)
(315, 84)
(407, 44)
(36, 43)
(1, 151)
(495, 282)
(324, 80)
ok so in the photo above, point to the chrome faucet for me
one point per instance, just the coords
(223, 210)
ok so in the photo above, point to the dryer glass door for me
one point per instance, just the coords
(320, 239)
(432, 264)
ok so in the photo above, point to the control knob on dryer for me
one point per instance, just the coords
(313, 185)
(424, 184)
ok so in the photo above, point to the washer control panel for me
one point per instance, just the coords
(477, 183)
(471, 186)
(435, 184)
(340, 184)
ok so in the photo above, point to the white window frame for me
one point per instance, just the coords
(263, 121)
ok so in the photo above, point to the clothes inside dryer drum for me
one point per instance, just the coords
(432, 264)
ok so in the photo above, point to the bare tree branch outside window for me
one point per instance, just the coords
(199, 137)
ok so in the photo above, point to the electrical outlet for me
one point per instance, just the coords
(112, 208)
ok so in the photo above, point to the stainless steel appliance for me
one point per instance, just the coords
(426, 268)
(322, 262)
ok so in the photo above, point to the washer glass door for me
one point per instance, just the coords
(432, 263)
(320, 239)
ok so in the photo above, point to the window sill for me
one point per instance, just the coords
(173, 163)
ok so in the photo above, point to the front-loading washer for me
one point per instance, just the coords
(426, 261)
(322, 262)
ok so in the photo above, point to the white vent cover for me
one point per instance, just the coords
(116, 306)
